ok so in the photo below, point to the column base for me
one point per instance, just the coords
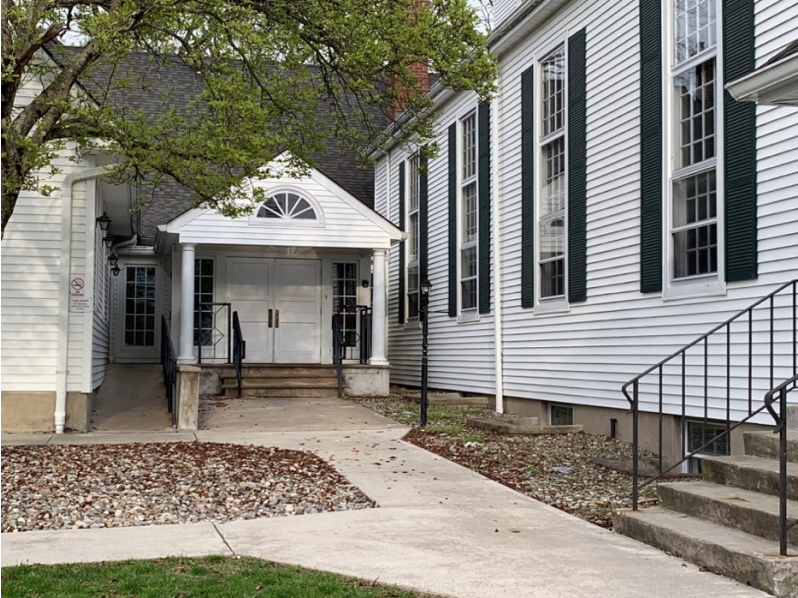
(378, 361)
(186, 359)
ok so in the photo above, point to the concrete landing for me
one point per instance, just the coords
(131, 399)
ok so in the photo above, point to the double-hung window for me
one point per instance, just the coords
(468, 214)
(413, 187)
(694, 178)
(551, 205)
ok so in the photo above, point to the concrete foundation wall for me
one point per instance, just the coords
(34, 411)
(596, 420)
(210, 382)
(366, 380)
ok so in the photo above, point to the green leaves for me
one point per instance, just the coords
(269, 76)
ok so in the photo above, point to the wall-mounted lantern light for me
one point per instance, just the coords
(108, 240)
(104, 221)
(116, 270)
(113, 259)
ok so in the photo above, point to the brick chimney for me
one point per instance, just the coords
(419, 71)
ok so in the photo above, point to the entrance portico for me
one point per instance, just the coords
(309, 248)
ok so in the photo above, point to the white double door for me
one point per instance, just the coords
(279, 307)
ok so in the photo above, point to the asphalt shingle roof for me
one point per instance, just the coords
(156, 85)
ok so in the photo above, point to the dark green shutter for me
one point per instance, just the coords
(651, 115)
(577, 165)
(483, 131)
(423, 219)
(739, 130)
(453, 220)
(528, 188)
(402, 249)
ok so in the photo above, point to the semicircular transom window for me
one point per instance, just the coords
(287, 205)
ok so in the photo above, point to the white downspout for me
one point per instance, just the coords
(497, 279)
(62, 355)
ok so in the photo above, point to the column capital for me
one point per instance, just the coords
(188, 246)
(383, 252)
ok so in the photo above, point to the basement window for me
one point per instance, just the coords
(561, 415)
(698, 434)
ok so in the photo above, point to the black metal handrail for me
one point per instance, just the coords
(719, 404)
(339, 348)
(781, 429)
(356, 340)
(239, 349)
(169, 365)
(204, 333)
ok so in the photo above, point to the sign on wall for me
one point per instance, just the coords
(78, 301)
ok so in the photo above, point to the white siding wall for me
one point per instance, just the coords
(454, 348)
(502, 9)
(31, 259)
(101, 332)
(585, 355)
(78, 269)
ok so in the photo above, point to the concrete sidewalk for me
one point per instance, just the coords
(439, 528)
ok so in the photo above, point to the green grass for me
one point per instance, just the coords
(474, 437)
(448, 429)
(208, 577)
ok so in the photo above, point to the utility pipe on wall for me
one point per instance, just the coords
(62, 356)
(497, 279)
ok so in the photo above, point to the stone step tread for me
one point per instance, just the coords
(754, 462)
(282, 383)
(766, 444)
(743, 498)
(283, 393)
(749, 559)
(712, 533)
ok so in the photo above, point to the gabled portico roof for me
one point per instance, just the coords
(342, 221)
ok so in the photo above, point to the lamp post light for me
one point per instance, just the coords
(104, 221)
(425, 289)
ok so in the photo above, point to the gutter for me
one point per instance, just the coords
(497, 302)
(62, 359)
(763, 82)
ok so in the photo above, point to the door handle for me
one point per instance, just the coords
(276, 318)
(270, 318)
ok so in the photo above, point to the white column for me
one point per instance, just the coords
(185, 351)
(379, 345)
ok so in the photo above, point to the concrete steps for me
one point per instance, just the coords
(728, 522)
(750, 512)
(749, 559)
(282, 381)
(766, 444)
(750, 473)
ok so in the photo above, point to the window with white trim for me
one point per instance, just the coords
(551, 237)
(287, 205)
(414, 232)
(468, 213)
(695, 106)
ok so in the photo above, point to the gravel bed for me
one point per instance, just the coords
(95, 486)
(558, 469)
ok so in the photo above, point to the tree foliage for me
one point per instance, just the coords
(268, 71)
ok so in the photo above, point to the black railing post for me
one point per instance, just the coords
(635, 444)
(783, 472)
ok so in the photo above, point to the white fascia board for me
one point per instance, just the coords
(386, 225)
(174, 225)
(526, 18)
(762, 83)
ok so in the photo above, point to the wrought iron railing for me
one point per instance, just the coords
(781, 392)
(169, 365)
(339, 349)
(212, 331)
(239, 349)
(722, 367)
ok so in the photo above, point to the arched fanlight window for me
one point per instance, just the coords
(287, 205)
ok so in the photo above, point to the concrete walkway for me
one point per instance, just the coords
(439, 528)
(132, 399)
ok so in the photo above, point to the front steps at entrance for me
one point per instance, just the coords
(281, 381)
(728, 522)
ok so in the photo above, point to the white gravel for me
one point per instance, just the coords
(94, 486)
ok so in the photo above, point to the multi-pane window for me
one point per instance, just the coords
(694, 225)
(345, 294)
(140, 306)
(288, 206)
(203, 294)
(551, 206)
(413, 187)
(468, 214)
